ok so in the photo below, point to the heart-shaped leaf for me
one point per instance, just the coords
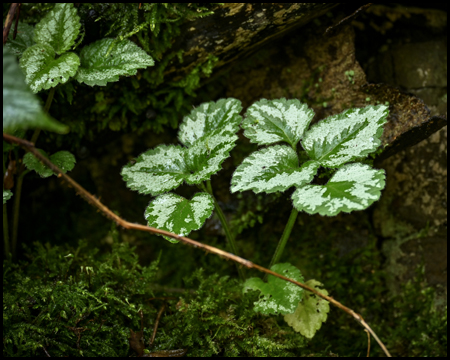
(21, 108)
(98, 67)
(347, 136)
(311, 312)
(178, 215)
(62, 159)
(277, 295)
(352, 187)
(7, 194)
(209, 117)
(43, 71)
(272, 169)
(271, 121)
(23, 40)
(59, 28)
(164, 168)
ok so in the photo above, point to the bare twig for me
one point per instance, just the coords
(368, 342)
(28, 146)
(9, 20)
(155, 327)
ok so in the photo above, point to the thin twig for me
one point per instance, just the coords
(127, 225)
(9, 20)
(155, 327)
(368, 342)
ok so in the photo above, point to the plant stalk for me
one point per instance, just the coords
(223, 220)
(6, 247)
(284, 238)
(18, 189)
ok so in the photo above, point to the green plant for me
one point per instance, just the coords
(46, 61)
(208, 134)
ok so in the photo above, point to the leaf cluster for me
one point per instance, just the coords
(74, 303)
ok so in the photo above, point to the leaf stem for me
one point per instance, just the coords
(5, 220)
(228, 233)
(22, 173)
(284, 238)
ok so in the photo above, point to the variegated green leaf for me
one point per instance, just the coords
(43, 71)
(21, 108)
(205, 157)
(59, 28)
(311, 312)
(7, 194)
(62, 159)
(23, 40)
(157, 170)
(277, 296)
(352, 187)
(209, 117)
(178, 215)
(272, 169)
(98, 67)
(166, 167)
(271, 121)
(347, 136)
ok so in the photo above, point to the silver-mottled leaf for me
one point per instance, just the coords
(21, 108)
(205, 156)
(62, 159)
(59, 28)
(352, 187)
(311, 312)
(277, 296)
(209, 117)
(7, 194)
(43, 71)
(178, 215)
(157, 170)
(272, 169)
(347, 136)
(124, 59)
(23, 40)
(271, 121)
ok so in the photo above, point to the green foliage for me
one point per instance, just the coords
(208, 134)
(63, 159)
(178, 215)
(21, 108)
(311, 312)
(7, 194)
(73, 303)
(217, 319)
(277, 295)
(330, 143)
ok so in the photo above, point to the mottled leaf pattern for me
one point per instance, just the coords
(272, 169)
(22, 109)
(311, 312)
(43, 71)
(347, 136)
(271, 121)
(352, 187)
(124, 59)
(23, 40)
(62, 159)
(7, 194)
(277, 296)
(178, 215)
(209, 117)
(157, 170)
(59, 28)
(166, 167)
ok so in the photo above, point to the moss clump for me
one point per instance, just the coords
(74, 303)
